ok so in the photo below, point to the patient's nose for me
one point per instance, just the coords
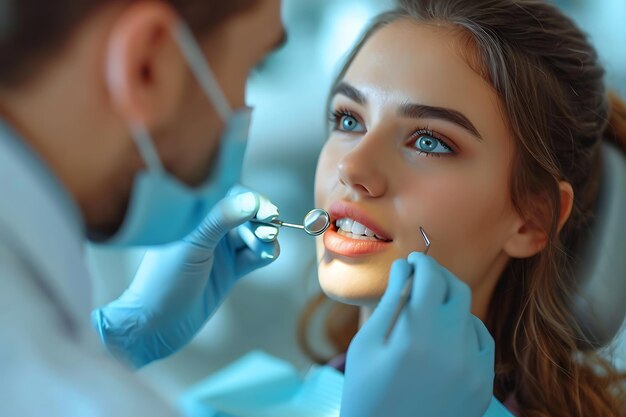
(359, 171)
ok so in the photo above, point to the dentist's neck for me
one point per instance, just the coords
(64, 114)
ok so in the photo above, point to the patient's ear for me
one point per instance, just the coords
(529, 236)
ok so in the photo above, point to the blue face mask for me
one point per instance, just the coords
(162, 209)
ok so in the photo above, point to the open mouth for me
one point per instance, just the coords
(354, 233)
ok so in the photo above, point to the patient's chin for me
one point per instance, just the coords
(351, 288)
(354, 301)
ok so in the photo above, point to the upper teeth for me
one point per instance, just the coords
(354, 227)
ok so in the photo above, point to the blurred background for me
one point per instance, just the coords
(289, 93)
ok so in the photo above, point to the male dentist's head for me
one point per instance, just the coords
(127, 101)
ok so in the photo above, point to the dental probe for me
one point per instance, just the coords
(315, 223)
(406, 291)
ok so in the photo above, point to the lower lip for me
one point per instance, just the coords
(343, 245)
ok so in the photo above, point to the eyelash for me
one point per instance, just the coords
(336, 115)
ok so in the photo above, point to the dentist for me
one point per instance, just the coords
(124, 122)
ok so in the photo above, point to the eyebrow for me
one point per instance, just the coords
(412, 110)
(421, 111)
(349, 91)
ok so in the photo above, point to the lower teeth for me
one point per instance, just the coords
(358, 237)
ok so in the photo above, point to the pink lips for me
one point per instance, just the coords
(346, 246)
(340, 210)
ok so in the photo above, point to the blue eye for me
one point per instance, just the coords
(349, 123)
(428, 144)
(345, 121)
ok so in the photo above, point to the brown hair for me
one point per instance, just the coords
(32, 31)
(552, 90)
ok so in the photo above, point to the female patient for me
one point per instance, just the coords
(482, 122)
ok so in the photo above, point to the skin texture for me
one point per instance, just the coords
(121, 66)
(462, 199)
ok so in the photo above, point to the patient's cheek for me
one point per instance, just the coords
(325, 176)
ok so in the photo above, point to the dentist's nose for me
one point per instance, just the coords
(359, 171)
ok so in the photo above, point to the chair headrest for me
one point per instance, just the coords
(600, 306)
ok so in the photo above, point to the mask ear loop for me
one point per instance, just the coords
(200, 68)
(146, 147)
(205, 77)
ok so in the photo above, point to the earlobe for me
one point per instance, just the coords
(530, 236)
(145, 72)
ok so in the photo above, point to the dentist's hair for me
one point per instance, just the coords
(552, 90)
(32, 31)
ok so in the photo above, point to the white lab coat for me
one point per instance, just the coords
(51, 361)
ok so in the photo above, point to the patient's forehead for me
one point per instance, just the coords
(408, 61)
(405, 51)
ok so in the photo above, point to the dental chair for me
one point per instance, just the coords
(600, 305)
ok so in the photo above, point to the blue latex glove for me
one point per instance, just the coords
(496, 409)
(177, 288)
(439, 360)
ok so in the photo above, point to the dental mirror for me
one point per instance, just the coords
(315, 223)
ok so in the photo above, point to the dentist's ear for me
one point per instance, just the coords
(530, 235)
(145, 70)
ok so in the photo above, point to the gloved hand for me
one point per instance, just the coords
(496, 409)
(439, 359)
(177, 288)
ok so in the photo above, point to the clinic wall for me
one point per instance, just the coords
(603, 20)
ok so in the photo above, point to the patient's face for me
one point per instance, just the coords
(417, 139)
